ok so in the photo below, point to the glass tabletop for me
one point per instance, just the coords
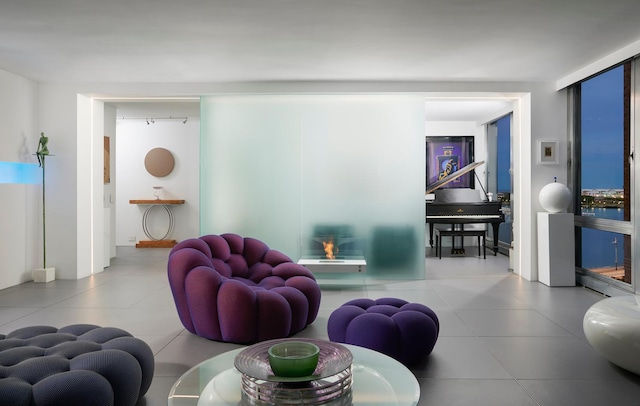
(377, 380)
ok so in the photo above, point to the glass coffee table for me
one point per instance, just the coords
(377, 380)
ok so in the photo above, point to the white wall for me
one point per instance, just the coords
(109, 198)
(58, 106)
(58, 118)
(135, 138)
(20, 205)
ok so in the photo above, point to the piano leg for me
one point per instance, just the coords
(496, 228)
(431, 234)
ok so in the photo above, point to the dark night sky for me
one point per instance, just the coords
(602, 131)
(602, 134)
(504, 148)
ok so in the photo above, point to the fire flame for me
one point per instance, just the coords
(328, 249)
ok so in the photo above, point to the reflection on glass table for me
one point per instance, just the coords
(377, 380)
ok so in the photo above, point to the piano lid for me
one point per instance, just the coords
(453, 176)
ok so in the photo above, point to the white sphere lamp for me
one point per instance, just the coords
(555, 197)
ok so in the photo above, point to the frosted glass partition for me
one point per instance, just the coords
(291, 170)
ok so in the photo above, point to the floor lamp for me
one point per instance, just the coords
(44, 274)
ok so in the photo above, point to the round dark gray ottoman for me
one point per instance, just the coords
(81, 364)
(402, 330)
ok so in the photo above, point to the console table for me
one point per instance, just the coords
(155, 242)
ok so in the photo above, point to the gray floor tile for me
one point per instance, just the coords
(514, 282)
(9, 314)
(509, 322)
(460, 357)
(467, 267)
(36, 297)
(138, 281)
(186, 351)
(161, 298)
(476, 392)
(569, 318)
(578, 298)
(158, 391)
(106, 298)
(492, 299)
(393, 285)
(451, 325)
(550, 358)
(77, 285)
(157, 343)
(317, 329)
(333, 299)
(584, 392)
(472, 284)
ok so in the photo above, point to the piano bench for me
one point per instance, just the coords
(441, 232)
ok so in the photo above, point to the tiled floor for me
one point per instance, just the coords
(503, 341)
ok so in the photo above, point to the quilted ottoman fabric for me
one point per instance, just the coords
(402, 330)
(236, 289)
(81, 364)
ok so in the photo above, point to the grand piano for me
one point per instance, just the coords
(462, 206)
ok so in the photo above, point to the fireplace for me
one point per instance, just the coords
(333, 248)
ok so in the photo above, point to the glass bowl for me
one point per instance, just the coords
(253, 361)
(293, 358)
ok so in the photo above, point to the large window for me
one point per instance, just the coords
(503, 174)
(499, 182)
(602, 175)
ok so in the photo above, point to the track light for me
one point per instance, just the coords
(152, 120)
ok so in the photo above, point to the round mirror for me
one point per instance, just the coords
(159, 162)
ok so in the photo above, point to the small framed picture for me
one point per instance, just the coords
(548, 153)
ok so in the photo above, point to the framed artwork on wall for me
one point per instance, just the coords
(446, 155)
(548, 153)
(107, 161)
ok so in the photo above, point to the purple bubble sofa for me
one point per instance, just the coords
(402, 330)
(236, 289)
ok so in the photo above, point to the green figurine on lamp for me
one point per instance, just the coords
(42, 150)
(43, 274)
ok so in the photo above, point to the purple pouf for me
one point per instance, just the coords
(80, 364)
(234, 289)
(402, 330)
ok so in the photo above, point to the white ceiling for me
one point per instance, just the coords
(263, 40)
(476, 110)
(194, 41)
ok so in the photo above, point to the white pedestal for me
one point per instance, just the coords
(44, 274)
(556, 249)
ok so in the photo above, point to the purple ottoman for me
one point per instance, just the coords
(402, 330)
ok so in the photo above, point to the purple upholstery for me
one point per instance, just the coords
(405, 331)
(234, 289)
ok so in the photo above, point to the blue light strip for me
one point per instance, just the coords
(18, 172)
